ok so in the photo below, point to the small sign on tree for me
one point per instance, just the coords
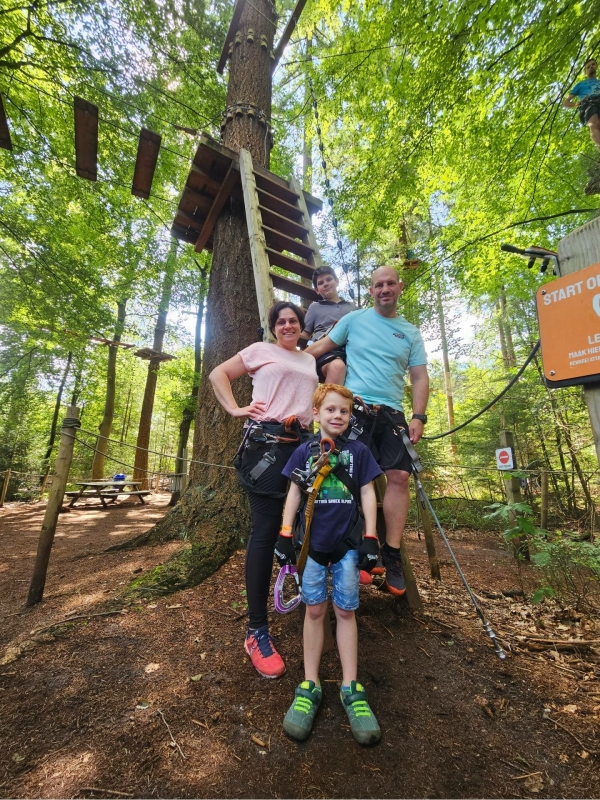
(504, 458)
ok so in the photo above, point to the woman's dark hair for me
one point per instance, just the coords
(279, 306)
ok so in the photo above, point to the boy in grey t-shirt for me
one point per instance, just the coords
(320, 319)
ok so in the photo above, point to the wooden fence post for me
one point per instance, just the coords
(55, 498)
(434, 564)
(5, 483)
(544, 509)
(513, 494)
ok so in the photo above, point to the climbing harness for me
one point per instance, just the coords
(258, 434)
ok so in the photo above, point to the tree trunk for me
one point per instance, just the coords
(213, 513)
(510, 348)
(446, 362)
(191, 409)
(140, 471)
(105, 426)
(46, 461)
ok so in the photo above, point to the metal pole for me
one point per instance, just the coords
(55, 498)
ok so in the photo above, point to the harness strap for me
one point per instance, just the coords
(308, 514)
(263, 465)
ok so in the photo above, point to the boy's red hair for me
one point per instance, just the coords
(323, 390)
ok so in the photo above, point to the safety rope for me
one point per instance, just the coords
(511, 383)
(328, 190)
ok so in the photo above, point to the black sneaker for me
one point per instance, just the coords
(394, 573)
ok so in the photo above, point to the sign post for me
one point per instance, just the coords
(504, 458)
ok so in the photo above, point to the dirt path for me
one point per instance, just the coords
(90, 706)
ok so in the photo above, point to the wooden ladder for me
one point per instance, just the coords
(281, 235)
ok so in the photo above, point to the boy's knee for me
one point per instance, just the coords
(341, 613)
(317, 611)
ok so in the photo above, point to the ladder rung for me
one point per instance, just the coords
(284, 261)
(266, 180)
(280, 206)
(282, 224)
(282, 242)
(293, 287)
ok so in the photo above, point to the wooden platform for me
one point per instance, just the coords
(285, 213)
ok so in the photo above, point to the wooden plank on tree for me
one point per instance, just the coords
(222, 197)
(279, 241)
(293, 287)
(194, 222)
(260, 262)
(280, 223)
(5, 141)
(237, 13)
(86, 139)
(213, 183)
(275, 185)
(183, 234)
(288, 30)
(145, 163)
(313, 203)
(284, 261)
(316, 259)
(280, 206)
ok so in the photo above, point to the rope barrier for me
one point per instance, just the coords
(509, 385)
(149, 471)
(435, 464)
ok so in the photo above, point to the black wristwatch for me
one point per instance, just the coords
(422, 417)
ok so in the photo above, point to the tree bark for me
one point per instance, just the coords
(105, 426)
(52, 437)
(212, 516)
(140, 471)
(446, 362)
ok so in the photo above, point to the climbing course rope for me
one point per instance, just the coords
(328, 190)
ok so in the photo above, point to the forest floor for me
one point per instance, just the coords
(159, 700)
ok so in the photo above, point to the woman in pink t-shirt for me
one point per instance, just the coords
(283, 383)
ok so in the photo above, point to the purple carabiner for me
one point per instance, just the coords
(282, 606)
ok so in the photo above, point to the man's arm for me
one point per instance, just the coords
(420, 395)
(324, 345)
(570, 101)
(303, 340)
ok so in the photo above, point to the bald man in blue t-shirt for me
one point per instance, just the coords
(585, 96)
(381, 346)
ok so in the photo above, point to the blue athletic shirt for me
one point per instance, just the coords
(334, 506)
(586, 87)
(379, 350)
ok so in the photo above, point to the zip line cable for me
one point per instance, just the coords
(510, 384)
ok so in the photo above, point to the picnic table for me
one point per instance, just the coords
(108, 489)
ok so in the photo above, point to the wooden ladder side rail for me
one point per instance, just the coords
(315, 259)
(260, 261)
(412, 590)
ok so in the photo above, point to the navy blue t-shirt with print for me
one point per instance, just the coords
(334, 506)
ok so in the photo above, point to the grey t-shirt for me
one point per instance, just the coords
(323, 313)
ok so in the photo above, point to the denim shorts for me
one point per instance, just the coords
(344, 578)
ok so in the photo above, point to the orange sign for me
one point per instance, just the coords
(569, 319)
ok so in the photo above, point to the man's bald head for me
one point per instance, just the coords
(385, 270)
(385, 289)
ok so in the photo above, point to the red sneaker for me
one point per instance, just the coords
(265, 659)
(364, 578)
(378, 569)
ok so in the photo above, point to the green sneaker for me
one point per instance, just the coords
(299, 719)
(363, 724)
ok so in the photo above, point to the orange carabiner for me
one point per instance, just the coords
(325, 440)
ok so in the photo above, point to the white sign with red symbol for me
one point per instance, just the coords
(504, 458)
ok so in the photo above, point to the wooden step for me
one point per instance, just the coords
(279, 241)
(274, 185)
(293, 287)
(284, 261)
(280, 206)
(293, 229)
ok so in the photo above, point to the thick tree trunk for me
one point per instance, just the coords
(191, 409)
(105, 426)
(510, 348)
(52, 437)
(213, 514)
(140, 472)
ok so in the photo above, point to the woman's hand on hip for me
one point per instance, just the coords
(256, 408)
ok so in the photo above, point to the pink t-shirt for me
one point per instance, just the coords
(285, 380)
